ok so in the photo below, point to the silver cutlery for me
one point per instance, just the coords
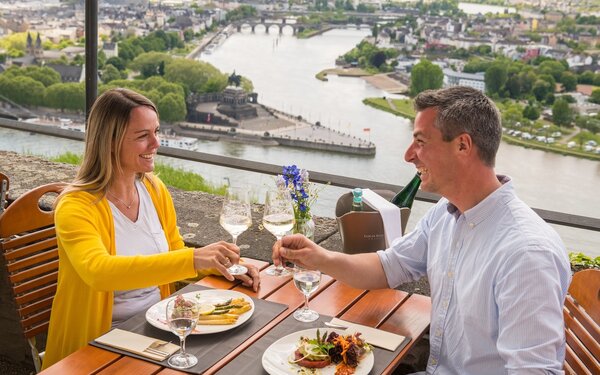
(154, 348)
(157, 352)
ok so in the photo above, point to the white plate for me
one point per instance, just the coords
(276, 358)
(156, 315)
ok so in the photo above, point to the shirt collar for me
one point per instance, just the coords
(483, 209)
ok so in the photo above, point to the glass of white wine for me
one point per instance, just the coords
(278, 218)
(182, 315)
(236, 217)
(307, 281)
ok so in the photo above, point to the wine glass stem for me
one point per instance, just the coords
(306, 302)
(280, 266)
(182, 344)
(234, 239)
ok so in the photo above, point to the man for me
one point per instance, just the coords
(498, 273)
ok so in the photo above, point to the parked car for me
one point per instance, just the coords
(550, 140)
(556, 134)
(540, 138)
(571, 144)
(526, 136)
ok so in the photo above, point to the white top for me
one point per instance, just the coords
(143, 237)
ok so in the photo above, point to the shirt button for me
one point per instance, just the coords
(438, 332)
(471, 225)
(450, 274)
(445, 303)
(433, 361)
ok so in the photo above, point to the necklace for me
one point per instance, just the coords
(128, 206)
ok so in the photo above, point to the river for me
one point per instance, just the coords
(283, 70)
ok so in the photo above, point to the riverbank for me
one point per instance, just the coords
(403, 108)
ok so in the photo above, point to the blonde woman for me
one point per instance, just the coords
(118, 242)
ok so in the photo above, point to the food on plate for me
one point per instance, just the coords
(345, 351)
(223, 313)
(182, 308)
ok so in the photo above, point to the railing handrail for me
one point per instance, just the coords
(552, 217)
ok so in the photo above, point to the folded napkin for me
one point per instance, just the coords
(390, 215)
(376, 337)
(135, 343)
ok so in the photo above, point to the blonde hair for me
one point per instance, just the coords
(108, 120)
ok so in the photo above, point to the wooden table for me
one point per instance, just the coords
(388, 309)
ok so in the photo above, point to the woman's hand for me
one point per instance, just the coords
(250, 279)
(220, 255)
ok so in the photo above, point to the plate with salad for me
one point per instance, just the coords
(319, 351)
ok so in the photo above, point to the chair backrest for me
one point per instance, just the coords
(582, 323)
(4, 185)
(28, 245)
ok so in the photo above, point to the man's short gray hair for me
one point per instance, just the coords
(464, 109)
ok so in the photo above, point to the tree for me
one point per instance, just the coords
(562, 115)
(117, 62)
(495, 78)
(552, 67)
(531, 112)
(541, 89)
(424, 76)
(569, 81)
(149, 63)
(110, 73)
(586, 78)
(194, 76)
(172, 108)
(513, 86)
(378, 58)
(22, 90)
(595, 97)
(66, 96)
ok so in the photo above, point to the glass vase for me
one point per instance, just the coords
(305, 226)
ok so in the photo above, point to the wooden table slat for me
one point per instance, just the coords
(336, 299)
(375, 307)
(412, 320)
(129, 365)
(86, 360)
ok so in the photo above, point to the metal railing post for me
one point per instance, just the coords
(91, 54)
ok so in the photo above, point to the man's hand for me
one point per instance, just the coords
(299, 250)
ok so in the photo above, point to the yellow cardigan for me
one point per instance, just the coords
(89, 270)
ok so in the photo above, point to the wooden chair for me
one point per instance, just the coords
(4, 185)
(28, 245)
(582, 323)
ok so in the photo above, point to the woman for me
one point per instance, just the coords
(118, 242)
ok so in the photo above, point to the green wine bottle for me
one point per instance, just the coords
(406, 196)
(357, 203)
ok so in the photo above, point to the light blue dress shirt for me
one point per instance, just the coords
(499, 276)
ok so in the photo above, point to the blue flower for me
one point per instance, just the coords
(303, 195)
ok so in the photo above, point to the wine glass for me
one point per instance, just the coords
(307, 281)
(236, 218)
(278, 218)
(182, 316)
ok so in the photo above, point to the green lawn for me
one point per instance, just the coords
(403, 107)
